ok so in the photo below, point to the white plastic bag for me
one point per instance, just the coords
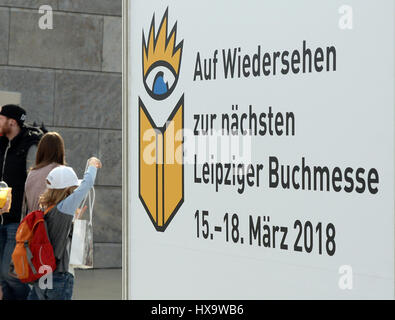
(81, 253)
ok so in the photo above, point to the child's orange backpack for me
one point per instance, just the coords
(33, 255)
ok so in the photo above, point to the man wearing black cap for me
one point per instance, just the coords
(15, 142)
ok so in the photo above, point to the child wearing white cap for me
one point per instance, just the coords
(64, 194)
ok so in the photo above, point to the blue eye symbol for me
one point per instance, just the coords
(160, 87)
(160, 80)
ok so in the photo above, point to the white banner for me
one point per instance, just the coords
(261, 142)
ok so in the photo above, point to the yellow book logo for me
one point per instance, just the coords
(161, 163)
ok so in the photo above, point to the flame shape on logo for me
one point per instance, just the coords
(161, 51)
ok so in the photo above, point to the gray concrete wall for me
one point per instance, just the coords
(70, 79)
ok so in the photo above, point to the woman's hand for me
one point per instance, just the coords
(95, 162)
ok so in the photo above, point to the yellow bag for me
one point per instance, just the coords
(5, 195)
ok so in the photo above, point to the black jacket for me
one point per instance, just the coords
(13, 168)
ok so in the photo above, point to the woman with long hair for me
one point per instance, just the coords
(50, 154)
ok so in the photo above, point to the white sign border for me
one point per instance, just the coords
(125, 150)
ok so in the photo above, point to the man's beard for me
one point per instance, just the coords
(5, 129)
